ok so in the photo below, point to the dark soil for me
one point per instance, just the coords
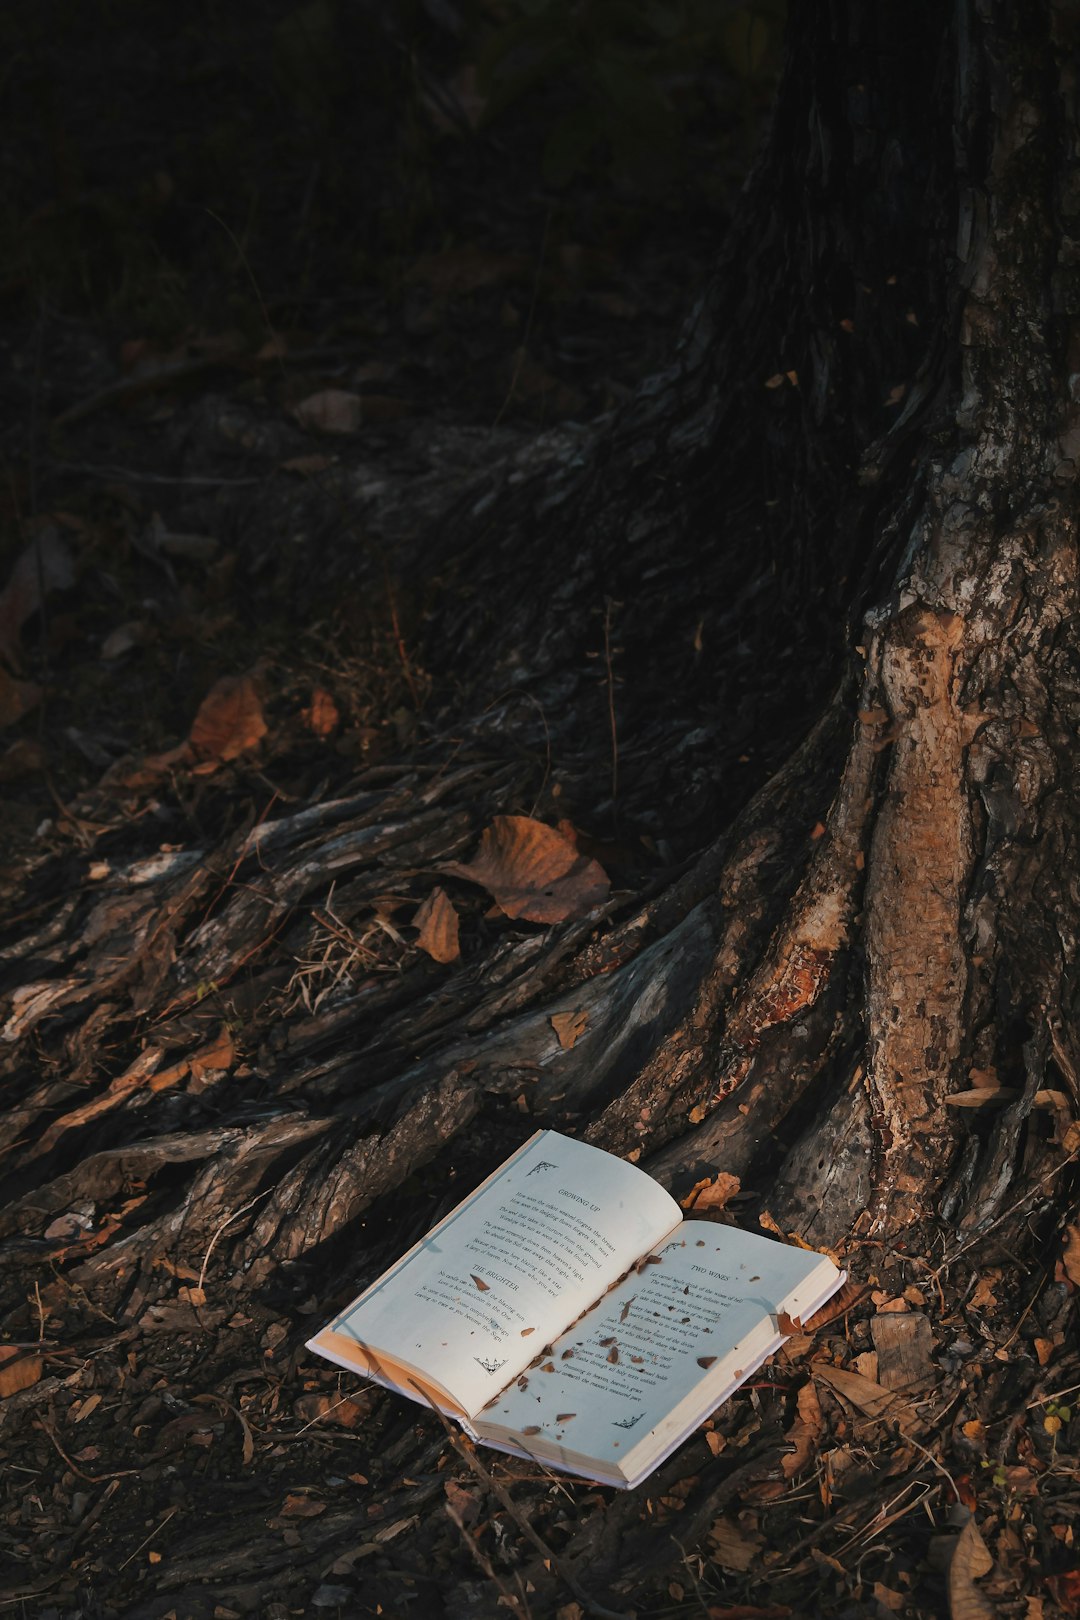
(211, 218)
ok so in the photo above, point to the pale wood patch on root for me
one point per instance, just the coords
(921, 859)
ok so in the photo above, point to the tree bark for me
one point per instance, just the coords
(837, 539)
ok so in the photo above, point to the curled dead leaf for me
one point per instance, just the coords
(230, 720)
(713, 1193)
(533, 871)
(804, 1433)
(480, 1283)
(437, 921)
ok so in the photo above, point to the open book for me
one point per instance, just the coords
(565, 1311)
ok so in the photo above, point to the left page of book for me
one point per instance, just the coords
(509, 1269)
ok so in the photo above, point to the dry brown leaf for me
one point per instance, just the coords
(533, 872)
(88, 1408)
(46, 565)
(17, 1371)
(219, 1054)
(804, 1432)
(888, 1598)
(731, 1547)
(569, 1027)
(332, 410)
(715, 1192)
(464, 1504)
(230, 719)
(480, 1283)
(842, 1301)
(321, 716)
(983, 1296)
(1070, 1254)
(301, 1507)
(438, 924)
(788, 1325)
(870, 1398)
(971, 1559)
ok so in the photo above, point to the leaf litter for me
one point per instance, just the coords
(533, 872)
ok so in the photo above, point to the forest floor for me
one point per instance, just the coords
(211, 326)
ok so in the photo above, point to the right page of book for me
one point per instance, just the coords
(639, 1371)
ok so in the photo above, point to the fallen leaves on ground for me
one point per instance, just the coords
(732, 1547)
(534, 872)
(868, 1397)
(439, 930)
(321, 716)
(230, 720)
(804, 1433)
(971, 1559)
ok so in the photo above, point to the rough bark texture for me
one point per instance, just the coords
(860, 473)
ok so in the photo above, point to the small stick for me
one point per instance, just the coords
(517, 1603)
(171, 1514)
(235, 1216)
(504, 1497)
(399, 640)
(91, 1479)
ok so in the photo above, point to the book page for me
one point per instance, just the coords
(515, 1263)
(660, 1350)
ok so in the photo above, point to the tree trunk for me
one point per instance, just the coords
(826, 571)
